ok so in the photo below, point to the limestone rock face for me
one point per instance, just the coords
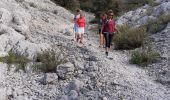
(142, 15)
(24, 25)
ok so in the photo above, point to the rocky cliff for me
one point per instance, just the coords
(30, 26)
(27, 26)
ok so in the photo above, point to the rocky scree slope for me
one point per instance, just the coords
(30, 26)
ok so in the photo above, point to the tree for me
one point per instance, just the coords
(104, 5)
(69, 4)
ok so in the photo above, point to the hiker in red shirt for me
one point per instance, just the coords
(81, 28)
(109, 29)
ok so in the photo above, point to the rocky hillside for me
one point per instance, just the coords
(160, 40)
(28, 27)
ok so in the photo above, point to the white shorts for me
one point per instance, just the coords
(81, 30)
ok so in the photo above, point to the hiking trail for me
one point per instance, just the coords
(120, 74)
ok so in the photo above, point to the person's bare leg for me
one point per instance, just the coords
(100, 39)
(78, 38)
(75, 36)
(82, 38)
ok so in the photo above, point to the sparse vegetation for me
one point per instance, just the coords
(144, 57)
(129, 38)
(17, 59)
(48, 60)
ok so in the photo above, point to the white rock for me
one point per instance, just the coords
(29, 49)
(64, 97)
(73, 95)
(163, 8)
(75, 85)
(5, 16)
(65, 71)
(104, 98)
(49, 78)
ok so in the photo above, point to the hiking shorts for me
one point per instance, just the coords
(80, 30)
(75, 28)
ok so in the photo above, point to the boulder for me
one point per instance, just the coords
(9, 38)
(65, 71)
(163, 8)
(5, 16)
(63, 97)
(73, 95)
(74, 85)
(29, 49)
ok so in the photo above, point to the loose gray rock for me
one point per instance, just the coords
(104, 98)
(75, 85)
(63, 97)
(65, 71)
(49, 78)
(73, 95)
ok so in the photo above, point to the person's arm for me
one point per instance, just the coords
(77, 22)
(84, 22)
(102, 29)
(115, 27)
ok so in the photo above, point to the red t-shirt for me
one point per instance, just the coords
(81, 22)
(109, 26)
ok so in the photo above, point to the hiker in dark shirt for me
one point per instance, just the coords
(109, 29)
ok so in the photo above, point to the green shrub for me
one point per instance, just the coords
(13, 58)
(129, 38)
(143, 58)
(104, 5)
(48, 60)
(69, 4)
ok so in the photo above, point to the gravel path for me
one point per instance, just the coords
(119, 75)
(2, 81)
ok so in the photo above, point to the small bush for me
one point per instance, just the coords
(48, 60)
(17, 59)
(143, 58)
(129, 38)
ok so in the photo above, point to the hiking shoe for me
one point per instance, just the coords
(100, 46)
(106, 54)
(109, 57)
